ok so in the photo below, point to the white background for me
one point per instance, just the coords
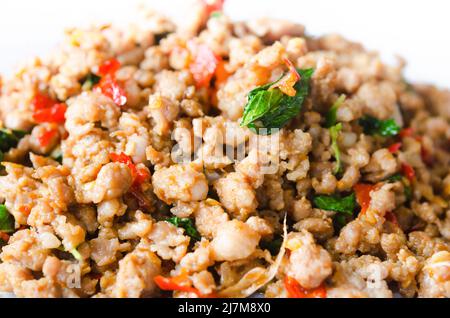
(415, 29)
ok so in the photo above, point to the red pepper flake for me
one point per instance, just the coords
(41, 101)
(408, 172)
(54, 114)
(48, 110)
(294, 290)
(180, 283)
(204, 64)
(142, 175)
(109, 67)
(139, 175)
(125, 159)
(213, 6)
(363, 195)
(391, 217)
(395, 147)
(109, 87)
(47, 136)
(406, 132)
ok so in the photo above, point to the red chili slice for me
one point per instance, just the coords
(296, 291)
(406, 132)
(53, 114)
(109, 67)
(139, 175)
(47, 136)
(173, 284)
(395, 147)
(213, 5)
(109, 87)
(408, 171)
(363, 195)
(41, 101)
(204, 65)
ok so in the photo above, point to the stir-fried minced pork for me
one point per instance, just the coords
(219, 158)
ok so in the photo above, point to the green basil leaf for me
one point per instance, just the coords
(331, 117)
(188, 225)
(90, 81)
(73, 251)
(336, 203)
(334, 134)
(273, 246)
(374, 126)
(268, 108)
(395, 178)
(10, 138)
(408, 192)
(407, 188)
(6, 220)
(57, 155)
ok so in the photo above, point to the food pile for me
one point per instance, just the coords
(96, 201)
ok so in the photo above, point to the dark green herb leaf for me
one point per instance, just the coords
(57, 155)
(408, 192)
(406, 185)
(90, 81)
(334, 134)
(10, 138)
(73, 251)
(395, 178)
(273, 246)
(374, 126)
(336, 203)
(332, 113)
(6, 220)
(341, 220)
(188, 225)
(268, 108)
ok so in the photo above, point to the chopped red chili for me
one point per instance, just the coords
(363, 195)
(54, 114)
(294, 290)
(395, 147)
(408, 171)
(213, 5)
(139, 175)
(204, 64)
(46, 137)
(109, 87)
(180, 283)
(41, 101)
(109, 67)
(406, 132)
